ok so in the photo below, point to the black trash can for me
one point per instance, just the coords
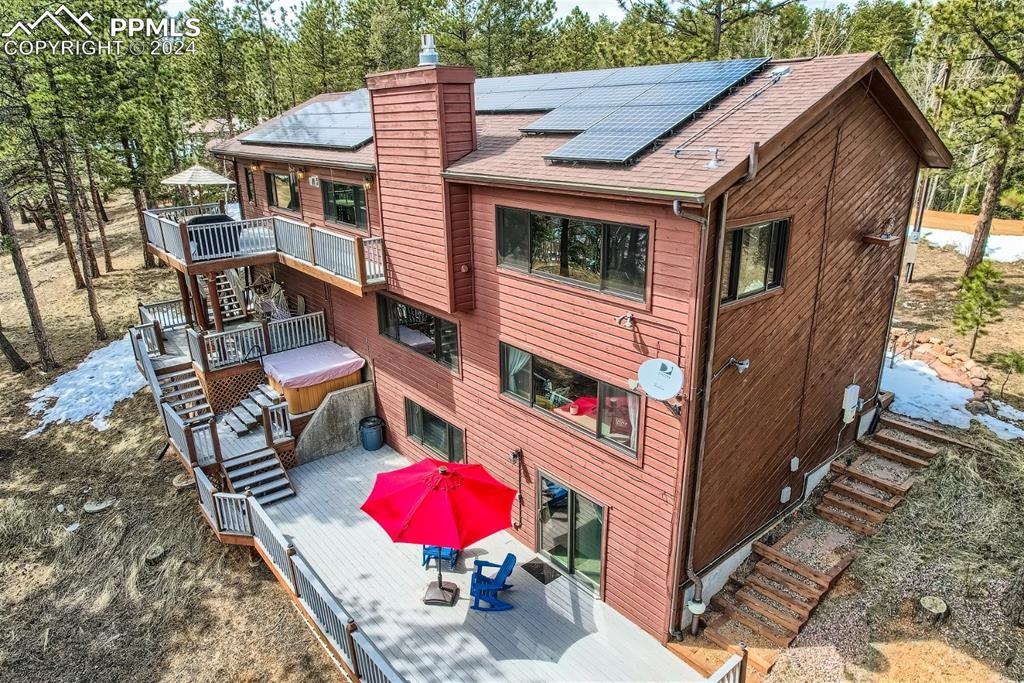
(371, 432)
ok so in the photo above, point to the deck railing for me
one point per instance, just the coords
(302, 330)
(241, 515)
(140, 348)
(169, 314)
(272, 542)
(232, 347)
(176, 213)
(357, 259)
(371, 664)
(198, 442)
(276, 423)
(293, 238)
(232, 514)
(734, 670)
(232, 239)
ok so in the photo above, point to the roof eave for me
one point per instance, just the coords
(347, 165)
(696, 198)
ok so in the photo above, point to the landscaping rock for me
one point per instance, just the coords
(977, 382)
(155, 553)
(961, 356)
(94, 506)
(946, 360)
(978, 372)
(977, 406)
(934, 340)
(183, 481)
(60, 507)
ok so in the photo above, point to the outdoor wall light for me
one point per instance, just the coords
(367, 183)
(626, 320)
(254, 167)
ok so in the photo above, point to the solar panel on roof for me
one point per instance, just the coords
(544, 100)
(344, 123)
(568, 119)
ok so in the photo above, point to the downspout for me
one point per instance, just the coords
(702, 219)
(697, 602)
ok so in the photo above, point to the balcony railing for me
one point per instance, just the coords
(234, 514)
(359, 260)
(244, 344)
(168, 315)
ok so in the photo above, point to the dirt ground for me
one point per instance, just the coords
(85, 605)
(926, 305)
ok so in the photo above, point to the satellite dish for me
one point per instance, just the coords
(660, 379)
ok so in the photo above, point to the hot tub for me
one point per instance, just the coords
(306, 374)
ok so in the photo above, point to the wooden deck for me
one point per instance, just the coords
(557, 632)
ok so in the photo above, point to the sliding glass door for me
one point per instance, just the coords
(571, 530)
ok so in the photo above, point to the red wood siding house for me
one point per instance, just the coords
(838, 147)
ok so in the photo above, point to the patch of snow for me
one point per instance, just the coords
(233, 210)
(91, 390)
(1003, 248)
(1005, 410)
(922, 394)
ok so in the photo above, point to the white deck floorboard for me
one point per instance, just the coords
(558, 632)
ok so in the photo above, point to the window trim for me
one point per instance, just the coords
(614, 294)
(540, 474)
(418, 439)
(454, 369)
(354, 227)
(293, 184)
(632, 456)
(781, 261)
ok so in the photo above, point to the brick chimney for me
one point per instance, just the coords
(424, 120)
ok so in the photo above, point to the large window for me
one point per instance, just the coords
(434, 433)
(282, 190)
(595, 254)
(754, 259)
(422, 332)
(250, 185)
(571, 530)
(602, 410)
(344, 204)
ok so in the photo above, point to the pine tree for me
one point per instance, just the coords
(979, 302)
(574, 48)
(319, 48)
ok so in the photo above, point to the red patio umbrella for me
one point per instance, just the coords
(433, 502)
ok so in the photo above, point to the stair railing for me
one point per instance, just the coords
(276, 423)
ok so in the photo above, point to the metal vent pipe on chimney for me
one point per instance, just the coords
(428, 54)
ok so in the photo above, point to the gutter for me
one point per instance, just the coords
(350, 166)
(483, 178)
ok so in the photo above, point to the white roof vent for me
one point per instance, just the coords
(428, 54)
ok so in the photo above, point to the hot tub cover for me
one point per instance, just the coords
(310, 365)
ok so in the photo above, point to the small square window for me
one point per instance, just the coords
(754, 259)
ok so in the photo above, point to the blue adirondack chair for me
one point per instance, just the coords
(485, 588)
(436, 552)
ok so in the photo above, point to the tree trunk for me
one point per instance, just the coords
(974, 342)
(42, 340)
(52, 199)
(108, 262)
(994, 184)
(14, 359)
(37, 218)
(129, 161)
(77, 215)
(23, 215)
(98, 198)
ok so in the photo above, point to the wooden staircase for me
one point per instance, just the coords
(231, 309)
(260, 473)
(770, 598)
(248, 414)
(183, 392)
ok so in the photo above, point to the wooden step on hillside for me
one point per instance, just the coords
(774, 633)
(774, 611)
(822, 579)
(795, 602)
(865, 493)
(846, 519)
(809, 590)
(879, 483)
(906, 442)
(728, 634)
(700, 654)
(915, 428)
(895, 454)
(839, 501)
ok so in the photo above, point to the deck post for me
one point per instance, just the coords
(216, 512)
(266, 337)
(186, 249)
(186, 299)
(291, 569)
(197, 302)
(268, 429)
(159, 336)
(312, 246)
(215, 439)
(360, 262)
(350, 642)
(190, 446)
(743, 662)
(211, 288)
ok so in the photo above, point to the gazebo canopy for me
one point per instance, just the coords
(197, 175)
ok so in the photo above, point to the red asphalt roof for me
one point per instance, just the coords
(733, 125)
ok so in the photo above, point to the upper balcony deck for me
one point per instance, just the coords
(355, 264)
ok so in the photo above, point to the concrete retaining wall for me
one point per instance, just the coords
(335, 424)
